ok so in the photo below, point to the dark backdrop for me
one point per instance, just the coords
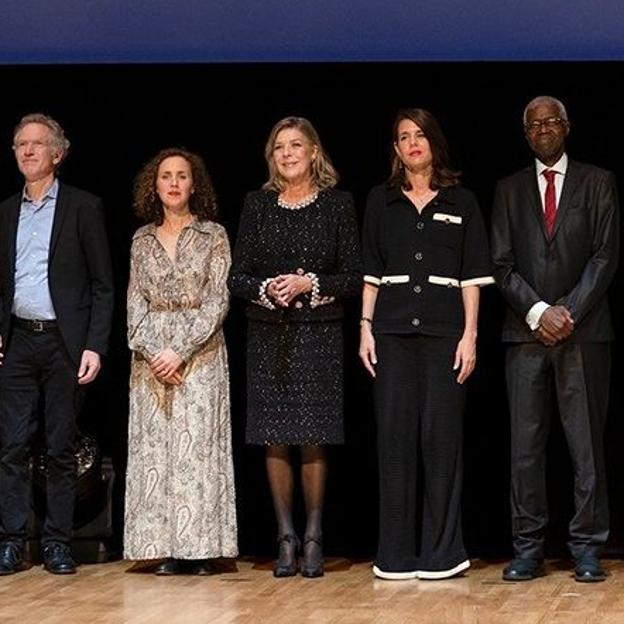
(119, 116)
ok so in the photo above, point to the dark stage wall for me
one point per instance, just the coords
(118, 116)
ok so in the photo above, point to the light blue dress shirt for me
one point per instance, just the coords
(32, 298)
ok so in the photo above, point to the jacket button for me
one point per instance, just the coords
(415, 322)
(420, 225)
(298, 305)
(417, 289)
(418, 255)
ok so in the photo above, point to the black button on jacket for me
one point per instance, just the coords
(420, 261)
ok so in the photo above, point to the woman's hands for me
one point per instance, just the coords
(367, 348)
(284, 288)
(465, 356)
(167, 366)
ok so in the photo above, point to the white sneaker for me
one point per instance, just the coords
(394, 576)
(429, 575)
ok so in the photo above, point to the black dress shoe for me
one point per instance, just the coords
(168, 567)
(286, 564)
(10, 558)
(198, 567)
(524, 570)
(588, 570)
(57, 559)
(312, 565)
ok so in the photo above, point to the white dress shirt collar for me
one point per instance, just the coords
(561, 166)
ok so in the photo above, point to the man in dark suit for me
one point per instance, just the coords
(555, 250)
(56, 298)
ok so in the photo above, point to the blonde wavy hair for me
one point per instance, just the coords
(322, 171)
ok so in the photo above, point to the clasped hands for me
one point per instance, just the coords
(167, 367)
(555, 325)
(284, 288)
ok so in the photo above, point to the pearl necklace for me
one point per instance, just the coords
(302, 203)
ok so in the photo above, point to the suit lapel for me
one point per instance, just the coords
(536, 200)
(570, 183)
(11, 230)
(62, 205)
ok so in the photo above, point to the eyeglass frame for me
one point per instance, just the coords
(550, 122)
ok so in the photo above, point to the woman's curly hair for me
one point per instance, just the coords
(147, 204)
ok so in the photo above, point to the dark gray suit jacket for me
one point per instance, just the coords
(79, 270)
(573, 267)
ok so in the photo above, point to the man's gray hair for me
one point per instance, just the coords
(59, 140)
(545, 99)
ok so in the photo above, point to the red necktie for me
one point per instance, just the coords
(550, 200)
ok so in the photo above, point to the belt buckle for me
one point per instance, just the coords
(37, 326)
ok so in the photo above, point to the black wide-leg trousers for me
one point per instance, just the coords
(419, 411)
(36, 365)
(579, 376)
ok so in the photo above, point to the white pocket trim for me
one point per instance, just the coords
(449, 282)
(395, 279)
(447, 218)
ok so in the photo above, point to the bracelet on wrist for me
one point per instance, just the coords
(263, 298)
(316, 299)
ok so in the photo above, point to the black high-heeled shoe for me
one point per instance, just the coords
(286, 564)
(312, 565)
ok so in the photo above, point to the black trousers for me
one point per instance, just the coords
(579, 375)
(36, 365)
(419, 410)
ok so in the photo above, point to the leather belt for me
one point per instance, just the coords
(34, 325)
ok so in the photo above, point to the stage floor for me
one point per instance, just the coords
(126, 593)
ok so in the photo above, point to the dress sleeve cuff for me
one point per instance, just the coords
(535, 314)
(263, 299)
(371, 279)
(477, 281)
(315, 297)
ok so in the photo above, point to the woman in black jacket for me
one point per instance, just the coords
(425, 257)
(296, 257)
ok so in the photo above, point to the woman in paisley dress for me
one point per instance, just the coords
(296, 258)
(180, 502)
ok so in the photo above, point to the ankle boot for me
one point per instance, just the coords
(312, 557)
(286, 564)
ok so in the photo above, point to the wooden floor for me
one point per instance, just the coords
(120, 592)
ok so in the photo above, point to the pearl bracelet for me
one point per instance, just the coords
(263, 300)
(315, 299)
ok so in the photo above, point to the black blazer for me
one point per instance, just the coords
(573, 267)
(79, 270)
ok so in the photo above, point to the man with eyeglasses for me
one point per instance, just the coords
(555, 251)
(56, 298)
